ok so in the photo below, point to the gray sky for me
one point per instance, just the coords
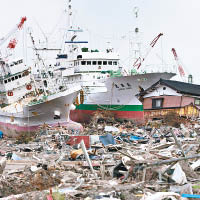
(111, 21)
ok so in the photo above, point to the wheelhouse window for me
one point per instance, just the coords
(83, 62)
(88, 62)
(94, 62)
(116, 86)
(157, 103)
(99, 62)
(122, 85)
(104, 62)
(109, 62)
(197, 102)
(114, 62)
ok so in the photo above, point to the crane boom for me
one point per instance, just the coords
(180, 68)
(13, 42)
(140, 60)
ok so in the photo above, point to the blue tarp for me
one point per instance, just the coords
(15, 157)
(133, 137)
(1, 134)
(191, 196)
(107, 139)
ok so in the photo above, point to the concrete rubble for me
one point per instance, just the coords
(109, 160)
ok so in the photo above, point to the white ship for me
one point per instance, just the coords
(105, 86)
(29, 100)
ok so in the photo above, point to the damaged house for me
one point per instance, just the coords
(171, 96)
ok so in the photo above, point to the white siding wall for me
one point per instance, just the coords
(159, 91)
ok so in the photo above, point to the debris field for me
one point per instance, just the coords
(109, 159)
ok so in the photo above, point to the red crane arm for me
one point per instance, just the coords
(20, 25)
(175, 54)
(152, 44)
(13, 42)
(180, 68)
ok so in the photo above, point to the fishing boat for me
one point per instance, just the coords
(105, 84)
(106, 88)
(28, 100)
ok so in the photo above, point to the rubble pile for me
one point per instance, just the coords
(108, 160)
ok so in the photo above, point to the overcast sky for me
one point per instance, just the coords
(112, 20)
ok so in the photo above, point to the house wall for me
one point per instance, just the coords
(187, 100)
(171, 98)
(187, 111)
(169, 101)
(172, 102)
(162, 90)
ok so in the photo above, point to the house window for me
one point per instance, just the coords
(197, 102)
(157, 103)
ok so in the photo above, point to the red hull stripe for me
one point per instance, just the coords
(85, 115)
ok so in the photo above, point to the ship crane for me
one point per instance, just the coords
(140, 60)
(180, 68)
(15, 30)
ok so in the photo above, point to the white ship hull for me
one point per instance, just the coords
(35, 115)
(120, 97)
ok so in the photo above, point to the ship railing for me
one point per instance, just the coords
(158, 69)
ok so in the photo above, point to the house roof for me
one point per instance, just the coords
(181, 87)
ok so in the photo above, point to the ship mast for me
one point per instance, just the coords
(72, 34)
(135, 40)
